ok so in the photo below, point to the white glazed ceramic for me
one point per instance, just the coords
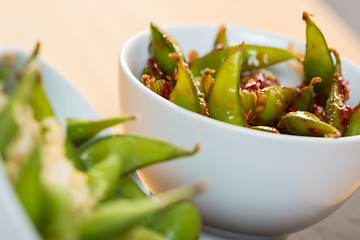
(67, 102)
(260, 183)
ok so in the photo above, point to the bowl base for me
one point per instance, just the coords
(238, 236)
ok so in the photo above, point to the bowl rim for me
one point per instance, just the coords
(140, 36)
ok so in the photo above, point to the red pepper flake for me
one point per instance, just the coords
(356, 108)
(167, 90)
(251, 85)
(345, 114)
(344, 87)
(166, 38)
(292, 109)
(313, 131)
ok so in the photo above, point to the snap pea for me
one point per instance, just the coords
(81, 130)
(248, 100)
(211, 60)
(40, 106)
(148, 70)
(186, 93)
(103, 176)
(206, 82)
(354, 123)
(127, 188)
(224, 101)
(29, 188)
(254, 57)
(162, 44)
(221, 38)
(265, 129)
(59, 220)
(318, 61)
(22, 94)
(180, 221)
(302, 99)
(271, 104)
(337, 113)
(306, 124)
(73, 155)
(160, 87)
(111, 218)
(135, 151)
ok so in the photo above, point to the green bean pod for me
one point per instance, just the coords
(112, 218)
(162, 44)
(248, 100)
(306, 124)
(186, 93)
(318, 61)
(80, 131)
(103, 177)
(271, 104)
(265, 129)
(254, 57)
(302, 99)
(134, 151)
(180, 221)
(354, 123)
(224, 101)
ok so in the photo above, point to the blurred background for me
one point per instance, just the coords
(82, 39)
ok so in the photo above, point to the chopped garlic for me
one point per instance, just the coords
(18, 152)
(59, 171)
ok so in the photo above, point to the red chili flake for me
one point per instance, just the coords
(356, 108)
(166, 38)
(313, 131)
(246, 116)
(345, 114)
(251, 86)
(292, 109)
(167, 90)
(344, 87)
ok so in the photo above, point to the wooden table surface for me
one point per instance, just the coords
(82, 39)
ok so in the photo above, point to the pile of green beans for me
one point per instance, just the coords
(74, 184)
(232, 84)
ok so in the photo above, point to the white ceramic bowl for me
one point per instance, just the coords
(66, 102)
(260, 183)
